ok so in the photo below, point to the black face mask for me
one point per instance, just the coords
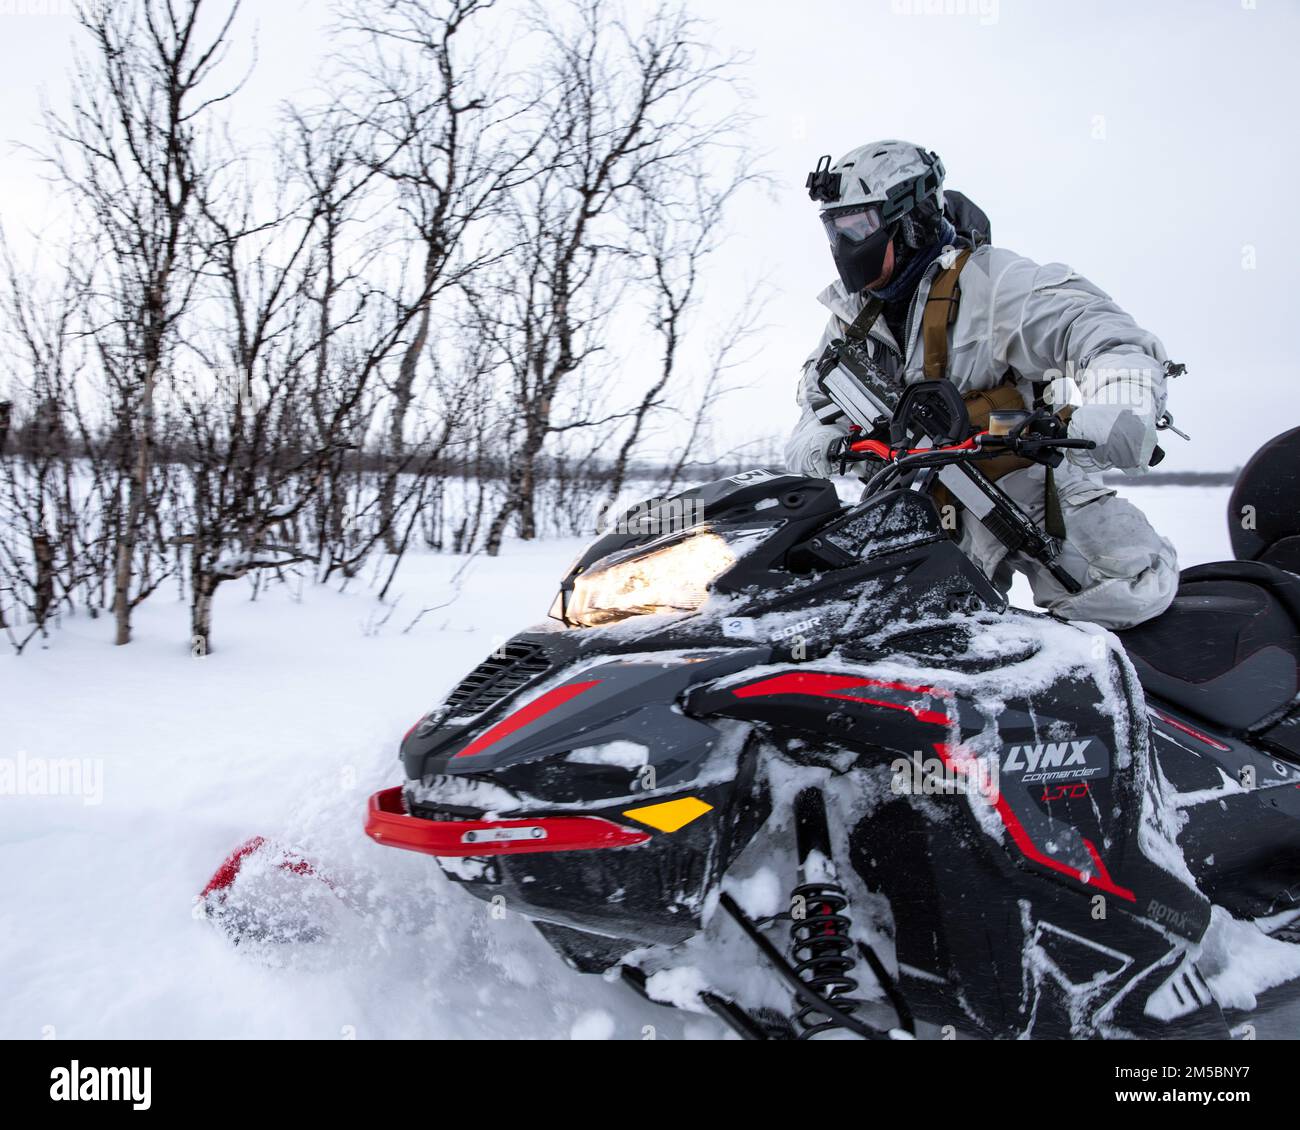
(859, 243)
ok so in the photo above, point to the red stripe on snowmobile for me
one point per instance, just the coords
(388, 823)
(228, 872)
(1101, 879)
(1190, 732)
(830, 686)
(525, 714)
(1030, 850)
(1104, 872)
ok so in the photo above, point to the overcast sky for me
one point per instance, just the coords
(1151, 145)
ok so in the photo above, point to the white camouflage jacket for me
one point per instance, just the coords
(1034, 323)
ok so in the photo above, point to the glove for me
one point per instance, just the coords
(808, 450)
(1124, 439)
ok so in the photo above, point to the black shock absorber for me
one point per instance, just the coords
(823, 954)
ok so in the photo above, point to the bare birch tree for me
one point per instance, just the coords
(434, 122)
(622, 107)
(132, 150)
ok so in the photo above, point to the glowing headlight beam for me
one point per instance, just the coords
(673, 579)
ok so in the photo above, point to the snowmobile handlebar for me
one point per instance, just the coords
(874, 406)
(1035, 437)
(983, 445)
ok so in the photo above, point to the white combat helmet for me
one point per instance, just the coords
(868, 196)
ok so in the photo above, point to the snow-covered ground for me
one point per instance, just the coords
(284, 730)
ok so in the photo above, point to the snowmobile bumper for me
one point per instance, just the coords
(389, 823)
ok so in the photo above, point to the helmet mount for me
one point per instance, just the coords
(822, 184)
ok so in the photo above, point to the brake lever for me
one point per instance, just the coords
(840, 453)
(1043, 436)
(1046, 449)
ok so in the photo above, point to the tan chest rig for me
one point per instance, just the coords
(939, 314)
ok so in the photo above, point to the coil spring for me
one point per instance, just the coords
(821, 950)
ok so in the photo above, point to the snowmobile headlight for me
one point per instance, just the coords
(675, 578)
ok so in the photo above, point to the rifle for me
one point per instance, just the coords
(869, 399)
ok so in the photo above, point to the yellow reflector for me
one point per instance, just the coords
(670, 815)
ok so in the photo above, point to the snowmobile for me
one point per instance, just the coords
(799, 764)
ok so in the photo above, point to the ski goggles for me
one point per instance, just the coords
(854, 224)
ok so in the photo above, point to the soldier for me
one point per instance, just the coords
(1008, 332)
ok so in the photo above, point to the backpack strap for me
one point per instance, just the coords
(939, 313)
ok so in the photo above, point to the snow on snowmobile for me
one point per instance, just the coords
(799, 764)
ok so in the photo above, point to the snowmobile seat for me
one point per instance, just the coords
(1228, 648)
(1263, 518)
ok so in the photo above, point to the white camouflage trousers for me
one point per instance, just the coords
(1132, 570)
